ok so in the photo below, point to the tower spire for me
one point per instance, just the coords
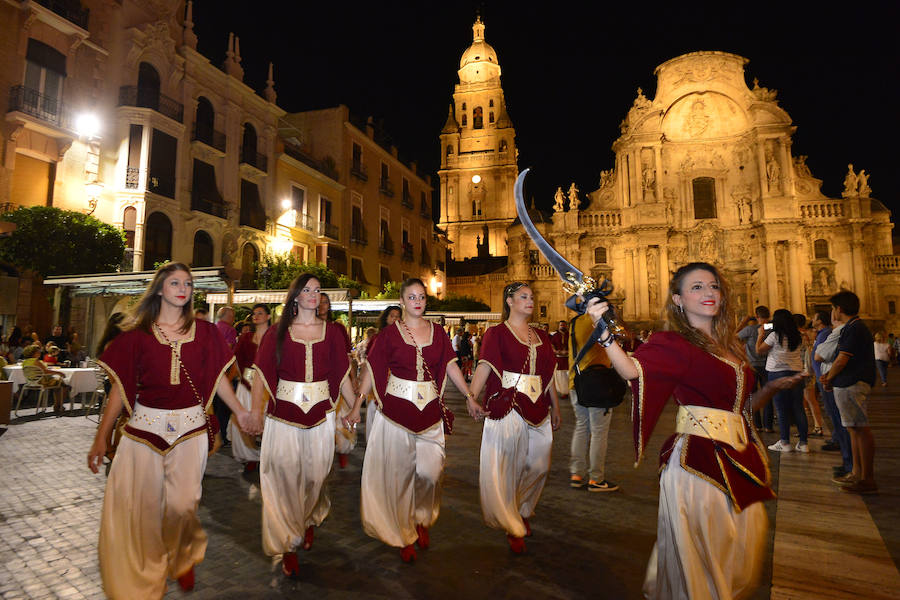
(189, 38)
(270, 87)
(478, 30)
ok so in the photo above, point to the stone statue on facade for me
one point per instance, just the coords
(851, 182)
(559, 201)
(763, 94)
(641, 101)
(573, 197)
(773, 172)
(864, 190)
(607, 178)
(800, 167)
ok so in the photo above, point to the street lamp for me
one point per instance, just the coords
(476, 179)
(87, 125)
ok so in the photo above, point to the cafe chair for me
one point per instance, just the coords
(98, 396)
(33, 381)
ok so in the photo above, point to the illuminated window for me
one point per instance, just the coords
(704, 198)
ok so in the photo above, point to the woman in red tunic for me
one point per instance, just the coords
(302, 364)
(714, 472)
(165, 369)
(344, 439)
(244, 447)
(405, 448)
(517, 436)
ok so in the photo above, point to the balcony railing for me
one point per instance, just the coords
(132, 95)
(827, 209)
(889, 263)
(425, 212)
(359, 236)
(216, 209)
(386, 247)
(210, 137)
(40, 106)
(329, 230)
(600, 220)
(406, 201)
(407, 254)
(164, 186)
(132, 177)
(305, 222)
(6, 207)
(69, 10)
(386, 187)
(359, 171)
(255, 159)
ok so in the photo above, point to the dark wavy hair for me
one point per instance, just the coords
(382, 318)
(785, 326)
(291, 310)
(508, 292)
(145, 313)
(723, 337)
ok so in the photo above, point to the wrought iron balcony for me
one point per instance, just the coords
(255, 159)
(407, 254)
(359, 171)
(214, 208)
(386, 247)
(210, 137)
(406, 201)
(359, 236)
(70, 10)
(132, 95)
(329, 230)
(132, 177)
(40, 106)
(305, 221)
(164, 186)
(386, 187)
(425, 212)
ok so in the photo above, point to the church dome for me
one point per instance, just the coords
(476, 55)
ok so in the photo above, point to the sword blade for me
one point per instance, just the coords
(553, 257)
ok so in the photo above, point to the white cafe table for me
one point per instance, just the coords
(80, 381)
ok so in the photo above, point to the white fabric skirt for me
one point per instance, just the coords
(704, 549)
(561, 381)
(401, 480)
(344, 439)
(294, 463)
(149, 528)
(515, 460)
(239, 449)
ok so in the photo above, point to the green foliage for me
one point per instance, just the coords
(454, 303)
(51, 241)
(161, 263)
(391, 290)
(277, 271)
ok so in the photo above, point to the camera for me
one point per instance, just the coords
(767, 326)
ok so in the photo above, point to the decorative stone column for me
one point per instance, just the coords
(795, 282)
(631, 304)
(761, 168)
(642, 290)
(770, 277)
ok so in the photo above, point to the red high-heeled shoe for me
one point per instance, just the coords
(186, 581)
(408, 553)
(527, 527)
(516, 544)
(308, 537)
(423, 542)
(290, 566)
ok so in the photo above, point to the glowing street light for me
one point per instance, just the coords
(87, 125)
(476, 179)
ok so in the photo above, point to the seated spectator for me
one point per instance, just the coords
(51, 354)
(31, 357)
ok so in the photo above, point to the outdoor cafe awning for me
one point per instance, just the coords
(211, 279)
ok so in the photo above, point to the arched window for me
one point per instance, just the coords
(449, 149)
(148, 86)
(704, 198)
(248, 145)
(203, 250)
(464, 120)
(205, 121)
(129, 224)
(820, 248)
(157, 240)
(249, 256)
(464, 106)
(600, 255)
(477, 118)
(491, 117)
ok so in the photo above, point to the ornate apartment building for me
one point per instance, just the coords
(704, 171)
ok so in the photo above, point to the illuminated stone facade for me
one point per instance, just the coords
(478, 157)
(704, 171)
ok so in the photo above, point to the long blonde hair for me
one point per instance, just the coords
(146, 311)
(723, 339)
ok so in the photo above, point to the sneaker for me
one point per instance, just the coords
(781, 446)
(831, 447)
(576, 481)
(601, 486)
(817, 432)
(845, 479)
(861, 487)
(801, 447)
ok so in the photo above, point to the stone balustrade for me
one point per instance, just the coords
(889, 263)
(600, 220)
(542, 271)
(822, 209)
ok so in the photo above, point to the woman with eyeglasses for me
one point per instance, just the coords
(302, 368)
(714, 473)
(407, 368)
(517, 365)
(243, 446)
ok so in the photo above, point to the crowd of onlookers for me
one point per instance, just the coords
(57, 348)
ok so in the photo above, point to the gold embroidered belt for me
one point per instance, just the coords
(248, 374)
(419, 393)
(303, 394)
(530, 385)
(714, 423)
(167, 423)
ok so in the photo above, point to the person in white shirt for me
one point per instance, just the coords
(783, 345)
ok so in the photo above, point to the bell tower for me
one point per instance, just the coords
(478, 157)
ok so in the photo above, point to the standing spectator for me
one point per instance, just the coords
(840, 439)
(852, 376)
(225, 325)
(784, 347)
(60, 340)
(892, 349)
(591, 422)
(560, 343)
(748, 332)
(882, 357)
(809, 387)
(895, 346)
(201, 314)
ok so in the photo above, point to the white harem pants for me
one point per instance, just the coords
(515, 460)
(239, 449)
(401, 480)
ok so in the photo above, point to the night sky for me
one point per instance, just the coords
(570, 72)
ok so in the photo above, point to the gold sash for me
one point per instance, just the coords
(714, 423)
(419, 393)
(303, 394)
(530, 385)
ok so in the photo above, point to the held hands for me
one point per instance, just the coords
(476, 411)
(350, 421)
(250, 423)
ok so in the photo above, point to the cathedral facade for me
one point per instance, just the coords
(704, 171)
(478, 157)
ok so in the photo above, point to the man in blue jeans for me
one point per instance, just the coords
(840, 438)
(852, 376)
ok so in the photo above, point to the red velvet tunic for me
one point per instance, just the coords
(143, 368)
(670, 366)
(392, 353)
(327, 362)
(559, 340)
(502, 350)
(245, 353)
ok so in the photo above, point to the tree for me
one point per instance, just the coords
(51, 241)
(452, 303)
(277, 271)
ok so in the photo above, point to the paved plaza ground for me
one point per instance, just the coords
(592, 545)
